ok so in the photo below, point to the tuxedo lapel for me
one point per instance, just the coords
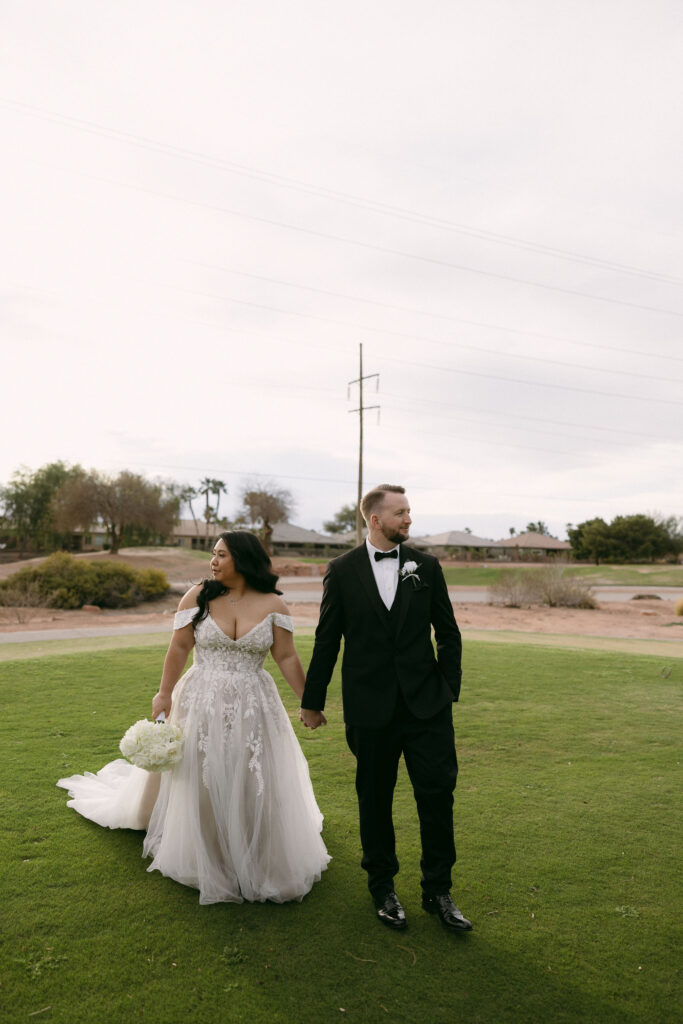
(367, 578)
(404, 590)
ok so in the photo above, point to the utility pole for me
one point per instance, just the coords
(360, 410)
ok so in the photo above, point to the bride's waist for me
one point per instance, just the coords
(229, 670)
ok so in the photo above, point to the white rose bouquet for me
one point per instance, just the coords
(154, 746)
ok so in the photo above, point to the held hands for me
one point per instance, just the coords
(160, 703)
(311, 719)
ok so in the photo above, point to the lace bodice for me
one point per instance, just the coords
(215, 649)
(228, 685)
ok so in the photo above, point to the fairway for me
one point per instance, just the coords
(655, 575)
(567, 814)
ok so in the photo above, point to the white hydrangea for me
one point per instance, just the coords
(154, 746)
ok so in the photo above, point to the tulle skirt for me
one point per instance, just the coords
(237, 818)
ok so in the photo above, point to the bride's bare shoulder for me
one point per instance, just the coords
(276, 604)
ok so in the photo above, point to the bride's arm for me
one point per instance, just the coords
(288, 661)
(179, 648)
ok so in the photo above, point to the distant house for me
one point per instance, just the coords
(95, 538)
(290, 539)
(188, 534)
(534, 546)
(457, 544)
(286, 539)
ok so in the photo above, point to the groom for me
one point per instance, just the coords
(383, 598)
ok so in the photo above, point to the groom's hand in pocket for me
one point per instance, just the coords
(311, 719)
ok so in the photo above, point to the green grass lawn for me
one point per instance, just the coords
(566, 826)
(606, 575)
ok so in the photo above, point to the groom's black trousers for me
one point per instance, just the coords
(428, 747)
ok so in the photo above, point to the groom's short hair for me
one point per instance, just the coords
(374, 499)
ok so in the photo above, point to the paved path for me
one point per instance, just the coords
(29, 636)
(305, 590)
(39, 643)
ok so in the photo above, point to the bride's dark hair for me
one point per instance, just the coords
(251, 561)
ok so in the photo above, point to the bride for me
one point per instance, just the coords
(237, 818)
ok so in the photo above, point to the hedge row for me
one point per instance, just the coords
(63, 581)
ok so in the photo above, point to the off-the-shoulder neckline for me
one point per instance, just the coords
(227, 636)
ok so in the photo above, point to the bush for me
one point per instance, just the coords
(511, 590)
(152, 583)
(21, 600)
(548, 586)
(63, 581)
(679, 607)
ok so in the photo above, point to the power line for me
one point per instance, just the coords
(387, 356)
(415, 483)
(546, 433)
(536, 384)
(539, 419)
(308, 188)
(455, 319)
(373, 247)
(490, 376)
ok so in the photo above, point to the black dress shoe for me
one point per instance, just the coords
(449, 915)
(391, 913)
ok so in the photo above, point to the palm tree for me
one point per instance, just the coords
(187, 496)
(210, 486)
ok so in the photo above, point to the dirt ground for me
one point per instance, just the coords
(643, 619)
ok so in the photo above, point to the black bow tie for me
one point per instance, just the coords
(379, 555)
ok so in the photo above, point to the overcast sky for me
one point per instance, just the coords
(207, 207)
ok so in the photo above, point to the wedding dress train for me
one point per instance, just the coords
(237, 818)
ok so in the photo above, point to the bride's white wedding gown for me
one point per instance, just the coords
(237, 818)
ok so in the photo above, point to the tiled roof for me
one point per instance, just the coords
(455, 539)
(537, 541)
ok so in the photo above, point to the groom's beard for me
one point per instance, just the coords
(396, 537)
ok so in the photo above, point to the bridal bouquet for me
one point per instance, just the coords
(154, 746)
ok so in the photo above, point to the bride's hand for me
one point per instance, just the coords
(159, 704)
(311, 719)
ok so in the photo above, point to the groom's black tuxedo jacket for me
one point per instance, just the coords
(385, 651)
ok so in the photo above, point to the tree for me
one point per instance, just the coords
(539, 527)
(638, 538)
(128, 505)
(635, 538)
(343, 521)
(209, 486)
(263, 505)
(28, 505)
(187, 495)
(673, 526)
(590, 540)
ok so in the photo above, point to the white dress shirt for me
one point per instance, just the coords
(385, 572)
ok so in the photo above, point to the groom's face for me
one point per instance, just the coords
(393, 519)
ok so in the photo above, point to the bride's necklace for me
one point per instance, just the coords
(234, 600)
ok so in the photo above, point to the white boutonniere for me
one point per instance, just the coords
(409, 572)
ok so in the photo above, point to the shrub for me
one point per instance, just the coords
(63, 581)
(548, 586)
(152, 583)
(510, 590)
(679, 606)
(21, 600)
(551, 587)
